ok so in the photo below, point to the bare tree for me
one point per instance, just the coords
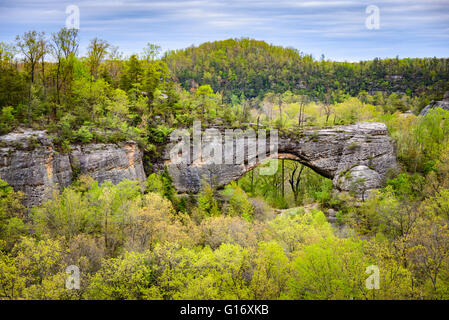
(151, 52)
(327, 106)
(44, 50)
(280, 107)
(303, 100)
(294, 179)
(114, 63)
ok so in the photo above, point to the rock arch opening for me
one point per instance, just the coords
(294, 184)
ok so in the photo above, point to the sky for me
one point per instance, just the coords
(333, 28)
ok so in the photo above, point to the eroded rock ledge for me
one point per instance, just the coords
(30, 163)
(356, 157)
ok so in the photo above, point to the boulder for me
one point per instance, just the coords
(360, 180)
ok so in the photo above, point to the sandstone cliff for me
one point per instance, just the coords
(356, 157)
(30, 163)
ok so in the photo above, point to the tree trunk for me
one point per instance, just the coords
(252, 181)
(58, 70)
(283, 179)
(32, 71)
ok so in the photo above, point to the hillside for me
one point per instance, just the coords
(253, 68)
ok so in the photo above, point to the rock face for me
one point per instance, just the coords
(356, 157)
(30, 163)
(444, 104)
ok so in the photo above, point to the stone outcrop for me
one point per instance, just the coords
(356, 157)
(30, 163)
(444, 104)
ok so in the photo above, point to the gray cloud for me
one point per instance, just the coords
(333, 27)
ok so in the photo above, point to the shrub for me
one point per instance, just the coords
(239, 204)
(84, 135)
(7, 120)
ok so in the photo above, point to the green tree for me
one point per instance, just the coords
(12, 215)
(129, 277)
(331, 269)
(97, 51)
(207, 204)
(271, 271)
(64, 45)
(30, 46)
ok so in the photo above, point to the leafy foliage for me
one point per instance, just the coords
(262, 237)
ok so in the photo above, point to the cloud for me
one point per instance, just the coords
(332, 27)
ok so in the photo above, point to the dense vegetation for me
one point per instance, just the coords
(263, 237)
(253, 68)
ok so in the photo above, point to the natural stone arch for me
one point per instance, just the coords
(356, 157)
